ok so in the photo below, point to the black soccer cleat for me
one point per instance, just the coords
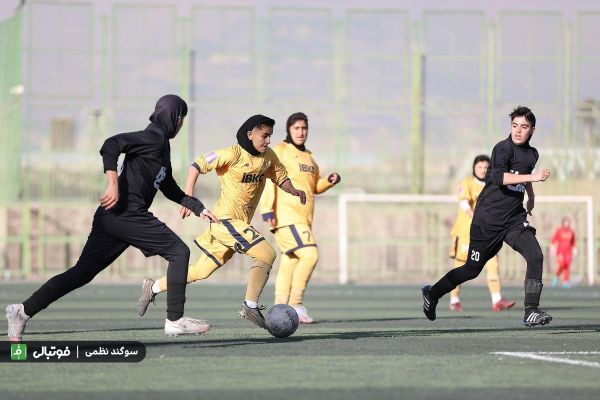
(428, 303)
(536, 317)
(253, 314)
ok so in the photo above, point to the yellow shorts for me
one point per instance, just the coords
(221, 241)
(460, 247)
(293, 237)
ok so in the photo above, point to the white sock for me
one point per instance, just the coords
(496, 297)
(454, 299)
(251, 304)
(156, 288)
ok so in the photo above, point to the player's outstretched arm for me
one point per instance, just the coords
(288, 187)
(513, 179)
(186, 210)
(324, 184)
(174, 193)
(111, 195)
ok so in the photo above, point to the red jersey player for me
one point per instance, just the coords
(563, 247)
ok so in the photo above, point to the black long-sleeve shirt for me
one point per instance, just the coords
(500, 206)
(146, 169)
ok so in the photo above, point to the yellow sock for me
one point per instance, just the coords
(201, 269)
(283, 281)
(307, 260)
(257, 279)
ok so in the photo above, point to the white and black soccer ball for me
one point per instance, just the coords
(282, 320)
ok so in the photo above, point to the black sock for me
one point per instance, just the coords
(533, 291)
(175, 301)
(442, 287)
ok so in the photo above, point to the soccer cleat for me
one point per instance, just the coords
(186, 326)
(303, 316)
(456, 307)
(17, 321)
(428, 303)
(502, 305)
(253, 315)
(146, 297)
(536, 317)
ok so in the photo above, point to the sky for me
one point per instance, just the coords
(7, 8)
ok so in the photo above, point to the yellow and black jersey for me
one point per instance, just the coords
(242, 177)
(303, 171)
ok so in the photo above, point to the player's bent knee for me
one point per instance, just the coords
(308, 254)
(263, 252)
(198, 272)
(179, 251)
(472, 271)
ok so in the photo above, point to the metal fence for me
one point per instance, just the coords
(399, 100)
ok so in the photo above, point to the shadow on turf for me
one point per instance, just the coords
(341, 321)
(216, 343)
(201, 342)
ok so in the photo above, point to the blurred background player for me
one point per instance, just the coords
(563, 248)
(123, 220)
(468, 192)
(242, 170)
(291, 222)
(500, 217)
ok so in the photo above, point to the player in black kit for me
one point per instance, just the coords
(500, 217)
(123, 220)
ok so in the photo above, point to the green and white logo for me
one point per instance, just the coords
(18, 352)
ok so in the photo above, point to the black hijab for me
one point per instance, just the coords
(168, 110)
(478, 159)
(251, 123)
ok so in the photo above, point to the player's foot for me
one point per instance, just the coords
(253, 314)
(303, 316)
(146, 297)
(502, 305)
(456, 307)
(554, 282)
(17, 321)
(185, 326)
(428, 303)
(566, 285)
(536, 317)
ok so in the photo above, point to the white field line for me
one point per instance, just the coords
(545, 356)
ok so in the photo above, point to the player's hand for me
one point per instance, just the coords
(272, 222)
(301, 194)
(530, 204)
(541, 175)
(111, 196)
(334, 178)
(185, 212)
(207, 215)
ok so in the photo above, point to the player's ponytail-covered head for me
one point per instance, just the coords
(169, 109)
(251, 123)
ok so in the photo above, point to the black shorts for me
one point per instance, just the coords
(485, 243)
(138, 229)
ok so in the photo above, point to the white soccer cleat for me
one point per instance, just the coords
(186, 326)
(303, 315)
(17, 321)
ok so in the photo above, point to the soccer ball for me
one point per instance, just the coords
(281, 320)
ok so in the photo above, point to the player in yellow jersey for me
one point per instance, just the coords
(290, 221)
(242, 170)
(469, 191)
